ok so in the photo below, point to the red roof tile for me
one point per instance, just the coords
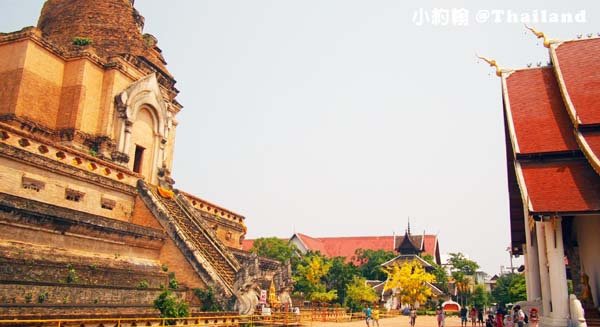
(580, 71)
(347, 246)
(538, 113)
(592, 138)
(430, 243)
(312, 244)
(562, 186)
(247, 245)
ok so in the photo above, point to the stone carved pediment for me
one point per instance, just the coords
(144, 92)
(144, 95)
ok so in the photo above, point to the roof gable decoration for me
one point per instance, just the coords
(297, 240)
(509, 117)
(407, 257)
(407, 246)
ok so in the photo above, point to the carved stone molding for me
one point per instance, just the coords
(30, 212)
(13, 153)
(121, 157)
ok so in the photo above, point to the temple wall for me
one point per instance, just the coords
(71, 96)
(174, 259)
(229, 236)
(40, 86)
(12, 59)
(142, 216)
(589, 245)
(55, 187)
(79, 245)
(92, 80)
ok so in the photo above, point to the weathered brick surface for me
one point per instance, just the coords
(143, 216)
(69, 294)
(9, 87)
(34, 271)
(110, 24)
(172, 257)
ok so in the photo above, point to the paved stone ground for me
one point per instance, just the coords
(402, 321)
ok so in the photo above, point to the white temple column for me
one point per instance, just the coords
(557, 273)
(543, 269)
(532, 268)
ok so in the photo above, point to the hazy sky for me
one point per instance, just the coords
(345, 117)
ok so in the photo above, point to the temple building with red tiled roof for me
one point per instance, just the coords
(552, 131)
(346, 246)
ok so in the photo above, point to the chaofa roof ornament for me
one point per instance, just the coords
(540, 35)
(492, 63)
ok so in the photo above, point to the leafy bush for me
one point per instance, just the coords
(208, 299)
(42, 297)
(173, 284)
(170, 306)
(143, 284)
(72, 275)
(81, 41)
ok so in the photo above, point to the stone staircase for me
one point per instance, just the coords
(213, 261)
(592, 317)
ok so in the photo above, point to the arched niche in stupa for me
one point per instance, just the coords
(142, 126)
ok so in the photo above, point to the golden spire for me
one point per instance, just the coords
(540, 35)
(492, 63)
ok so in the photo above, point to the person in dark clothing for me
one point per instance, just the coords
(463, 316)
(480, 316)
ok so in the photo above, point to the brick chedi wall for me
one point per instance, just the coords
(113, 26)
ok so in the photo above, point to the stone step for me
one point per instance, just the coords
(200, 238)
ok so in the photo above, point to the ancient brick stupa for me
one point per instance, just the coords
(90, 223)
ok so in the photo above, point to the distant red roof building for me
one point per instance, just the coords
(346, 246)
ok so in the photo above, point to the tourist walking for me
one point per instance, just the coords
(439, 313)
(368, 313)
(413, 316)
(499, 318)
(463, 316)
(375, 315)
(519, 316)
(480, 316)
(473, 316)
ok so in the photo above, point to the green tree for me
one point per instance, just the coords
(274, 248)
(170, 306)
(370, 262)
(441, 276)
(462, 264)
(480, 297)
(359, 292)
(463, 270)
(310, 275)
(510, 288)
(339, 276)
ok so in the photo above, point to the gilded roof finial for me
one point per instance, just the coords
(540, 35)
(492, 63)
